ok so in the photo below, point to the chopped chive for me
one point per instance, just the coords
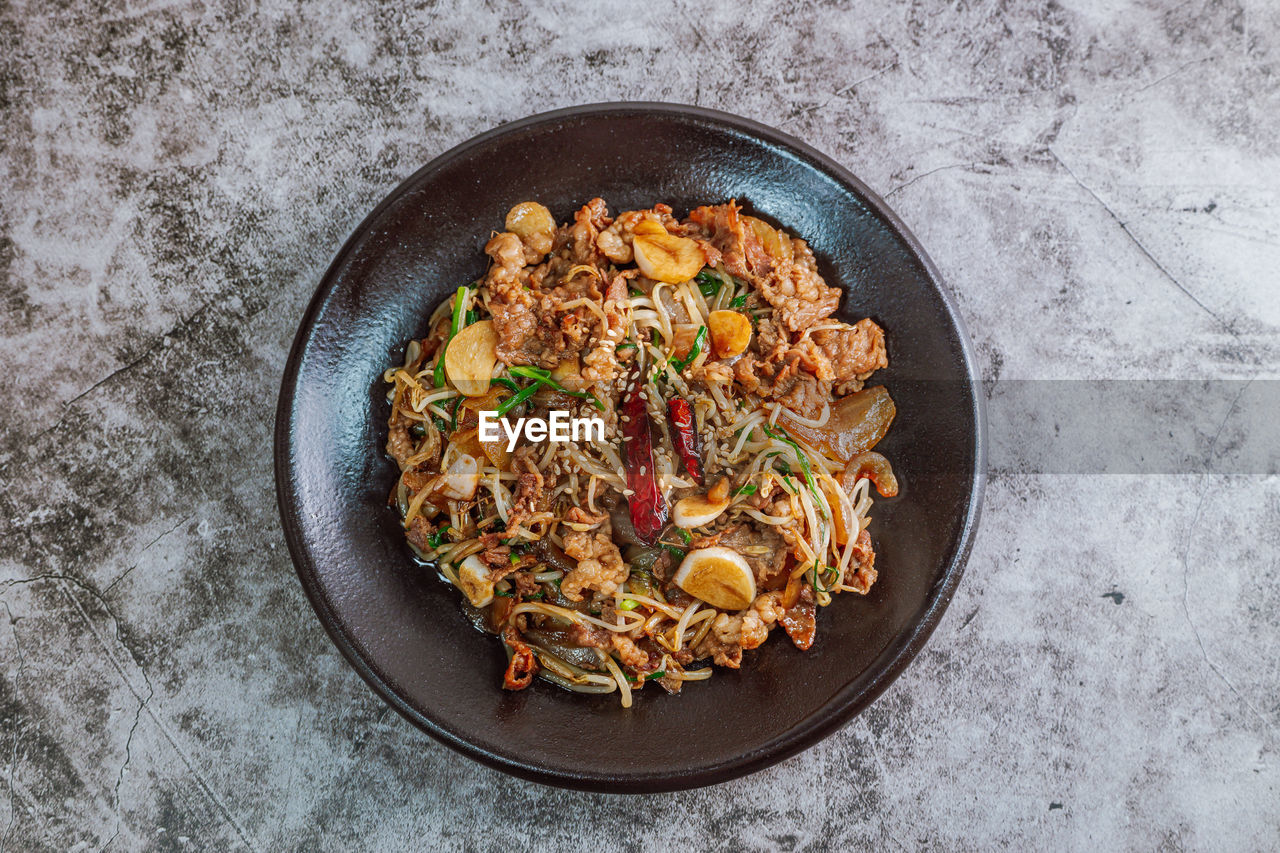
(502, 593)
(628, 604)
(544, 376)
(699, 341)
(708, 283)
(659, 674)
(674, 551)
(625, 345)
(685, 535)
(511, 402)
(781, 435)
(435, 540)
(739, 301)
(748, 489)
(506, 383)
(453, 413)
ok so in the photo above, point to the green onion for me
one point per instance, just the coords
(625, 345)
(506, 383)
(708, 283)
(473, 316)
(439, 422)
(435, 540)
(685, 535)
(781, 435)
(502, 593)
(459, 300)
(453, 413)
(455, 326)
(659, 674)
(674, 551)
(748, 489)
(739, 301)
(537, 596)
(514, 558)
(511, 402)
(537, 374)
(699, 341)
(438, 375)
(628, 604)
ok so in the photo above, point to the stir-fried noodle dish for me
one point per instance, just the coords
(730, 490)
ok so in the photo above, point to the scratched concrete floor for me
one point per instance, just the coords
(1098, 182)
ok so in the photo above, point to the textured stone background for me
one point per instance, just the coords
(1099, 185)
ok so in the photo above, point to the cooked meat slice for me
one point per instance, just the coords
(631, 655)
(764, 550)
(861, 572)
(419, 530)
(723, 642)
(852, 352)
(798, 295)
(399, 444)
(600, 565)
(800, 621)
(529, 487)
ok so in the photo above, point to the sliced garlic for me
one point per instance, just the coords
(698, 510)
(666, 257)
(719, 576)
(730, 332)
(473, 580)
(534, 225)
(647, 227)
(469, 360)
(462, 479)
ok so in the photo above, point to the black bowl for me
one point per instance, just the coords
(402, 628)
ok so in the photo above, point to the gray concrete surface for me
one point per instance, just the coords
(1099, 182)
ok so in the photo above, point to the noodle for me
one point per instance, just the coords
(587, 555)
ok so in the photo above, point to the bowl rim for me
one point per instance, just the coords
(849, 701)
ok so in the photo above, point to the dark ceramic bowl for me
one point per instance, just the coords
(402, 629)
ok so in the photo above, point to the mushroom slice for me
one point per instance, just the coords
(473, 580)
(719, 576)
(666, 257)
(469, 360)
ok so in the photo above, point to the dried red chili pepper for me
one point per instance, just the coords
(523, 664)
(648, 508)
(685, 437)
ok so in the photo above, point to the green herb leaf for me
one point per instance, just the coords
(748, 489)
(739, 301)
(685, 535)
(674, 551)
